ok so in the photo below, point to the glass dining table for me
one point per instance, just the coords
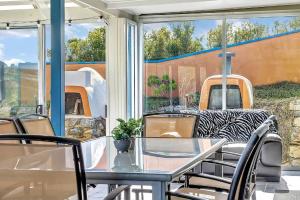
(151, 161)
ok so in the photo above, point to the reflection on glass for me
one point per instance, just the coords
(179, 56)
(149, 155)
(267, 53)
(18, 71)
(233, 95)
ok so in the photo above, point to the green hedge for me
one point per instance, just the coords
(280, 90)
(155, 103)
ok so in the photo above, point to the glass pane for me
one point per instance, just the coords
(85, 83)
(264, 57)
(85, 72)
(179, 57)
(18, 70)
(131, 65)
(233, 97)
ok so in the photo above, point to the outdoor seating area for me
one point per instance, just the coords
(149, 100)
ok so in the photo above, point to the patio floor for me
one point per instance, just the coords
(287, 189)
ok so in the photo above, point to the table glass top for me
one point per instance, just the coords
(149, 155)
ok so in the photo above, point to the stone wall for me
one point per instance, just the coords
(84, 128)
(294, 148)
(285, 117)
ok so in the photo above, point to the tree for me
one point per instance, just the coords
(294, 24)
(246, 31)
(177, 40)
(215, 35)
(90, 49)
(156, 44)
(279, 27)
(249, 31)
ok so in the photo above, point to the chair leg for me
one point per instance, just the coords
(111, 188)
(142, 193)
(253, 197)
(127, 194)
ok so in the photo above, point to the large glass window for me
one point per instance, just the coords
(85, 79)
(18, 71)
(179, 57)
(184, 65)
(266, 52)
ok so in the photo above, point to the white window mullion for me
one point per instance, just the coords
(116, 71)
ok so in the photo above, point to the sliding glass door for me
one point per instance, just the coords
(19, 71)
(265, 50)
(185, 67)
(179, 57)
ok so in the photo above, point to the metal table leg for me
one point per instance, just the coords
(219, 168)
(159, 191)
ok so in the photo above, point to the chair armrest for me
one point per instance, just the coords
(208, 176)
(186, 196)
(219, 162)
(113, 194)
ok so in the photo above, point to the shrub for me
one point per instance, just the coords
(280, 90)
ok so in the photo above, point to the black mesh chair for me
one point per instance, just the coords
(9, 126)
(36, 124)
(242, 183)
(41, 171)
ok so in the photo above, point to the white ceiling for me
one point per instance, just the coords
(139, 7)
(24, 12)
(29, 11)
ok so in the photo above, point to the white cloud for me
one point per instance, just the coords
(89, 26)
(13, 61)
(80, 30)
(155, 26)
(21, 33)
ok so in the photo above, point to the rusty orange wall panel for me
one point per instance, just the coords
(84, 97)
(263, 62)
(245, 93)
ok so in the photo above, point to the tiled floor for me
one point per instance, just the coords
(287, 189)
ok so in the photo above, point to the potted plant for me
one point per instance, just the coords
(125, 133)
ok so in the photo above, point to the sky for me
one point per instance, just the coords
(19, 46)
(202, 27)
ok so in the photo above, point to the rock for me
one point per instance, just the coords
(294, 152)
(297, 113)
(85, 127)
(297, 107)
(296, 122)
(292, 105)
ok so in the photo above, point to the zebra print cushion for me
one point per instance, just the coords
(241, 129)
(234, 125)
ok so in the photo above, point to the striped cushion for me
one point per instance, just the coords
(234, 125)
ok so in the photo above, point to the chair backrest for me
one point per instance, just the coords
(36, 124)
(246, 165)
(170, 125)
(9, 126)
(39, 171)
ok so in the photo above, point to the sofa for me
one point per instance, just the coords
(236, 126)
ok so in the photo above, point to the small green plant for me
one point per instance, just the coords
(163, 86)
(126, 130)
